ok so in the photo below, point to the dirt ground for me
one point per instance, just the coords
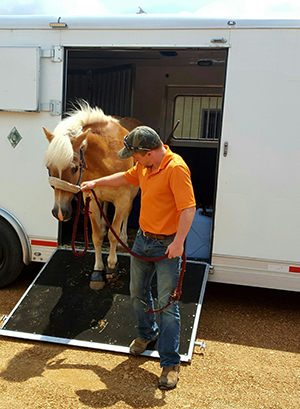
(251, 360)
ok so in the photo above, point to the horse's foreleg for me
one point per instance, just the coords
(120, 214)
(98, 276)
(103, 225)
(123, 235)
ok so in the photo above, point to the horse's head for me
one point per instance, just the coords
(63, 161)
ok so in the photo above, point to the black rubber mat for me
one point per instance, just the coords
(60, 306)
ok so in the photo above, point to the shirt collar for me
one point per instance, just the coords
(166, 159)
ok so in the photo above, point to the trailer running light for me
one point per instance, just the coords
(58, 24)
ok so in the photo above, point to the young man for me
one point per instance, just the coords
(166, 215)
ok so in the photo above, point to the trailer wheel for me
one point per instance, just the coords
(11, 260)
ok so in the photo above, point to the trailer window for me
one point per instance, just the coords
(200, 117)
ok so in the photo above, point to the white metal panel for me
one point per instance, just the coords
(255, 273)
(23, 176)
(25, 191)
(145, 38)
(258, 198)
(19, 79)
(138, 22)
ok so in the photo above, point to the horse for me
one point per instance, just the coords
(90, 139)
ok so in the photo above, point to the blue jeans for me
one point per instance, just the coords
(141, 274)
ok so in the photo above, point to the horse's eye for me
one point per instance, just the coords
(75, 169)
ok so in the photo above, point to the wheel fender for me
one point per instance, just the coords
(20, 230)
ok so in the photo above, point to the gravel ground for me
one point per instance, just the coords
(251, 360)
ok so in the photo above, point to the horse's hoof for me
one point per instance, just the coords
(112, 274)
(97, 280)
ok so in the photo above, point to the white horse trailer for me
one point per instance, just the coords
(234, 86)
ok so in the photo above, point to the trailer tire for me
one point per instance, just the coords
(11, 256)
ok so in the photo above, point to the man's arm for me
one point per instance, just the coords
(115, 180)
(175, 249)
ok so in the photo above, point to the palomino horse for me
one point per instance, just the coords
(99, 137)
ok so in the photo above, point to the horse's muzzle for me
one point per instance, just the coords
(62, 214)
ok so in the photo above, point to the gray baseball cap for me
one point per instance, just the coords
(141, 138)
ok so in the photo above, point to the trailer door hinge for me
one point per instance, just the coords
(56, 53)
(218, 40)
(54, 107)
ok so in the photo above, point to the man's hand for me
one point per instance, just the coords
(87, 186)
(174, 250)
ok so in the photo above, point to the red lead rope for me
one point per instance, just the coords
(178, 290)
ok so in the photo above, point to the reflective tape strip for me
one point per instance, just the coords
(294, 269)
(44, 243)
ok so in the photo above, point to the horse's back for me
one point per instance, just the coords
(128, 122)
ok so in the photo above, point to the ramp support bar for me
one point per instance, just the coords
(202, 344)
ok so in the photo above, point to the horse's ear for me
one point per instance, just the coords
(48, 134)
(77, 142)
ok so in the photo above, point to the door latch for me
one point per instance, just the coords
(225, 149)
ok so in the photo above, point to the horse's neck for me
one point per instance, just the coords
(94, 151)
(95, 143)
(98, 155)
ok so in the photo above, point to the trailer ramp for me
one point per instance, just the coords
(60, 307)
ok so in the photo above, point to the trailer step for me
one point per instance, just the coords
(60, 307)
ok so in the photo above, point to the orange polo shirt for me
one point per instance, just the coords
(165, 193)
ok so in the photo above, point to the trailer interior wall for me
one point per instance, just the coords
(155, 72)
(158, 77)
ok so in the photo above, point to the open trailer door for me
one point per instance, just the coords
(256, 234)
(60, 307)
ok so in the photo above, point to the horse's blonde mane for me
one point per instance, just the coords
(60, 152)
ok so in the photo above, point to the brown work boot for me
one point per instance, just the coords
(139, 345)
(169, 377)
